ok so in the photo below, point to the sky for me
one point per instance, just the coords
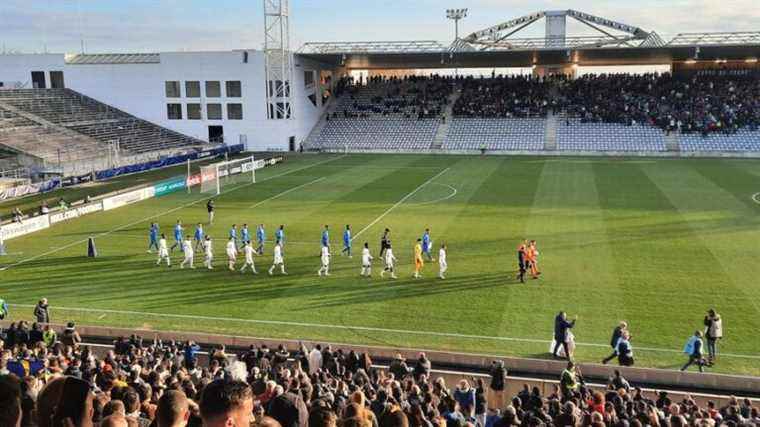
(58, 26)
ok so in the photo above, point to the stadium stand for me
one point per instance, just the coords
(322, 386)
(100, 122)
(608, 113)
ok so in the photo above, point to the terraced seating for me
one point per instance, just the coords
(496, 134)
(9, 119)
(382, 134)
(742, 140)
(577, 136)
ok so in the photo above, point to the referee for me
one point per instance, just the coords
(210, 209)
(385, 242)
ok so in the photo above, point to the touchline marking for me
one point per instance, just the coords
(756, 198)
(356, 328)
(403, 199)
(286, 192)
(121, 227)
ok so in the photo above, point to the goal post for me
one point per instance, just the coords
(218, 175)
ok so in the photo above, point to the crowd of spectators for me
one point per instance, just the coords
(698, 104)
(50, 381)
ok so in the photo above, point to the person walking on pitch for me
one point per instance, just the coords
(442, 265)
(325, 240)
(210, 209)
(390, 261)
(347, 241)
(178, 236)
(279, 236)
(385, 242)
(248, 252)
(418, 262)
(260, 238)
(187, 248)
(208, 250)
(199, 236)
(163, 251)
(427, 245)
(521, 262)
(245, 236)
(153, 237)
(325, 258)
(366, 261)
(231, 253)
(278, 258)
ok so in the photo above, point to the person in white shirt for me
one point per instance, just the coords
(442, 266)
(278, 260)
(248, 251)
(187, 248)
(163, 251)
(389, 263)
(315, 360)
(366, 261)
(325, 268)
(208, 249)
(231, 253)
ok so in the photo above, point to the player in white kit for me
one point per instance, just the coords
(231, 253)
(208, 249)
(389, 263)
(366, 261)
(325, 268)
(442, 265)
(163, 251)
(187, 248)
(278, 260)
(248, 251)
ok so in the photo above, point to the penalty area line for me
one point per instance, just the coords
(357, 328)
(130, 224)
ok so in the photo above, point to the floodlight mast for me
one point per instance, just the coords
(456, 15)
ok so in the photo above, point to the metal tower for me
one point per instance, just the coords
(278, 60)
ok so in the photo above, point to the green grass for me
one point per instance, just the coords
(653, 241)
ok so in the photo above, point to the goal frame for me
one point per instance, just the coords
(217, 167)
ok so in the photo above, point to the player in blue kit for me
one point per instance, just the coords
(279, 236)
(234, 234)
(198, 236)
(326, 236)
(153, 238)
(245, 236)
(260, 238)
(427, 245)
(178, 237)
(347, 241)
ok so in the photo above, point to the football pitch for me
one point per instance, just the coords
(655, 242)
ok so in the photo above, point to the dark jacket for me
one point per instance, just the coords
(616, 334)
(498, 374)
(289, 410)
(560, 328)
(41, 313)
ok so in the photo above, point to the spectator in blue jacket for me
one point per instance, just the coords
(191, 352)
(465, 396)
(694, 348)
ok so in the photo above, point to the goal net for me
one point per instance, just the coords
(233, 172)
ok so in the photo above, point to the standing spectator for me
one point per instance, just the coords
(398, 367)
(41, 312)
(70, 337)
(694, 349)
(49, 336)
(191, 351)
(616, 334)
(465, 397)
(10, 401)
(569, 381)
(422, 367)
(315, 360)
(226, 403)
(480, 402)
(561, 328)
(173, 409)
(498, 382)
(713, 332)
(617, 382)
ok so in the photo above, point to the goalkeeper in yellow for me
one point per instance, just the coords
(418, 262)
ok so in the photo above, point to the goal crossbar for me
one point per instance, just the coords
(213, 176)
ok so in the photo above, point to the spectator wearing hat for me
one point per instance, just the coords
(398, 367)
(41, 312)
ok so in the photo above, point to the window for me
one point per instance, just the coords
(174, 111)
(308, 77)
(193, 111)
(233, 89)
(235, 111)
(56, 80)
(172, 90)
(193, 89)
(213, 90)
(214, 111)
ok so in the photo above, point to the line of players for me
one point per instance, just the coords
(235, 245)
